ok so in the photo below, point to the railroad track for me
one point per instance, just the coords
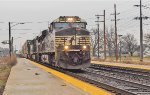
(117, 80)
(142, 73)
(127, 84)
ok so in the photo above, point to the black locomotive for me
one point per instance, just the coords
(65, 44)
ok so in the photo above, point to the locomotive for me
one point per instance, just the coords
(65, 44)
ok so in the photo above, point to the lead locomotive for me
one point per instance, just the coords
(65, 44)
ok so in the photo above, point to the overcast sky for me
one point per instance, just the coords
(40, 12)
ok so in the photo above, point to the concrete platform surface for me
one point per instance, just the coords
(27, 79)
(131, 66)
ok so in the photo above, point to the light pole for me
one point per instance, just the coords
(120, 46)
(10, 39)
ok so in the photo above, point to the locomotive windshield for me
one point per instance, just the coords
(67, 25)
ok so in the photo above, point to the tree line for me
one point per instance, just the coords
(127, 43)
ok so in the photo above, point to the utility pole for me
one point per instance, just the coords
(98, 16)
(104, 38)
(116, 34)
(141, 33)
(141, 28)
(9, 40)
(116, 38)
(12, 41)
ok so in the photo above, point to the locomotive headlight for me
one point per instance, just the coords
(66, 47)
(84, 47)
(70, 19)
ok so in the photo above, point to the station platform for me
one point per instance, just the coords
(27, 79)
(123, 65)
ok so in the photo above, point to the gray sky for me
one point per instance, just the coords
(42, 11)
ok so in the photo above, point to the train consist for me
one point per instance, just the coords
(65, 44)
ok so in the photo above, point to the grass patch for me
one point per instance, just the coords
(126, 60)
(5, 68)
(4, 73)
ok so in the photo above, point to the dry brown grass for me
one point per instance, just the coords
(5, 68)
(7, 61)
(126, 60)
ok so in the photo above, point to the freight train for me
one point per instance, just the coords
(65, 44)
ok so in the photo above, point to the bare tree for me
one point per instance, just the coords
(110, 41)
(147, 38)
(94, 41)
(130, 43)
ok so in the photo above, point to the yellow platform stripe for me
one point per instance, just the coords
(80, 84)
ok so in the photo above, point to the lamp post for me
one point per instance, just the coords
(10, 39)
(120, 46)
